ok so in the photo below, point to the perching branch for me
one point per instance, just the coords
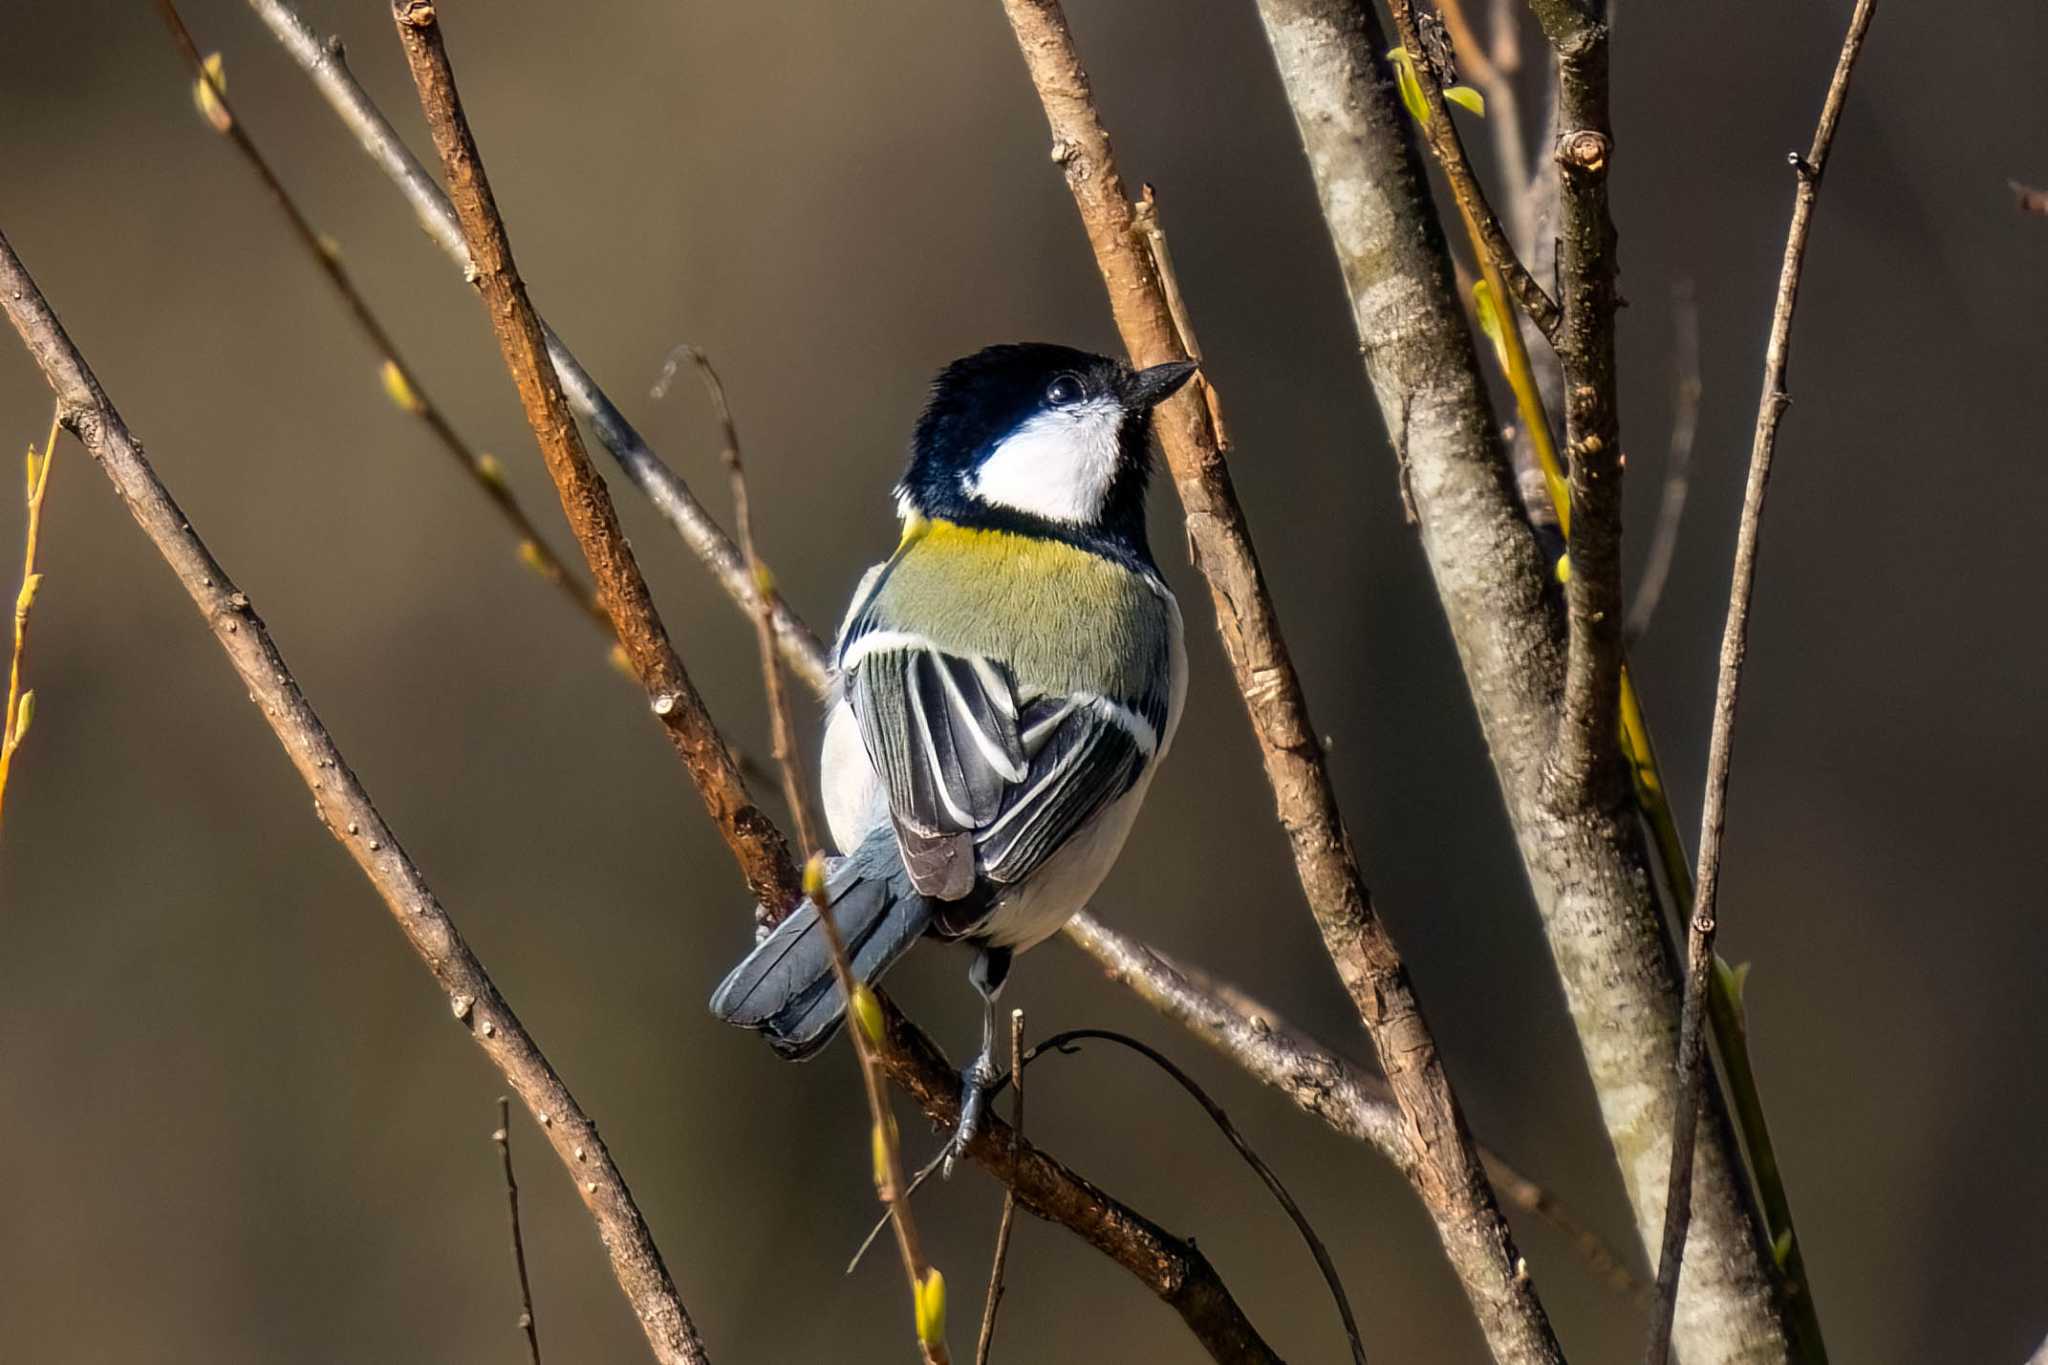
(1591, 875)
(502, 1138)
(401, 381)
(1685, 423)
(1173, 1269)
(346, 810)
(1453, 1183)
(324, 63)
(1734, 647)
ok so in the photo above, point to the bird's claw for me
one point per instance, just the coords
(974, 1084)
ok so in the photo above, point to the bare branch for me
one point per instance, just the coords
(1009, 1218)
(401, 380)
(1474, 1234)
(747, 830)
(1685, 423)
(1590, 872)
(1734, 646)
(346, 810)
(323, 61)
(1350, 1099)
(1584, 766)
(502, 1136)
(1449, 148)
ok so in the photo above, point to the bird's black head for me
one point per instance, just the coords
(1043, 439)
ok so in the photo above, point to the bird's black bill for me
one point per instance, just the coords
(1150, 387)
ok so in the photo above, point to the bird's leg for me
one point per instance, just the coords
(991, 968)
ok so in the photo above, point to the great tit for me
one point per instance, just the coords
(1007, 683)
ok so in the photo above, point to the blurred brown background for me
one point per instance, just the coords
(236, 1123)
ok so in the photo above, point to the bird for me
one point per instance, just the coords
(1007, 683)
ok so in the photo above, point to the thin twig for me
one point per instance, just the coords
(1451, 1179)
(1734, 646)
(20, 709)
(401, 381)
(788, 762)
(1685, 424)
(1350, 1099)
(1449, 148)
(502, 1136)
(1494, 69)
(764, 859)
(1582, 765)
(325, 64)
(1065, 1043)
(1009, 1218)
(345, 808)
(888, 1151)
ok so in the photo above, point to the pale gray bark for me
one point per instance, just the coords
(1587, 864)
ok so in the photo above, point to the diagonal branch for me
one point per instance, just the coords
(1734, 647)
(750, 834)
(1450, 1177)
(401, 381)
(1450, 154)
(345, 808)
(325, 63)
(1173, 1269)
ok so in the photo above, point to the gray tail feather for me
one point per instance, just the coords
(785, 987)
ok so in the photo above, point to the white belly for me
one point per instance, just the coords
(1035, 909)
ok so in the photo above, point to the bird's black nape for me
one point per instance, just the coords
(979, 402)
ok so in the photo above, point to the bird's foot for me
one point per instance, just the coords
(974, 1086)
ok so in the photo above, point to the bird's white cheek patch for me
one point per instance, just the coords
(1059, 465)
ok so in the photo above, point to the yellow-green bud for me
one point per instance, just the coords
(931, 1308)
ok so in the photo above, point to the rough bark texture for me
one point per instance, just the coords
(1587, 863)
(344, 807)
(1449, 1175)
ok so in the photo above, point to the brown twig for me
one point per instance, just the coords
(753, 838)
(788, 762)
(1685, 422)
(1584, 764)
(324, 62)
(401, 381)
(1734, 646)
(1449, 149)
(1347, 1097)
(502, 1136)
(346, 810)
(1009, 1218)
(20, 708)
(1451, 1179)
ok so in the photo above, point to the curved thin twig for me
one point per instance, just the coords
(1009, 1218)
(501, 1137)
(1064, 1042)
(1721, 745)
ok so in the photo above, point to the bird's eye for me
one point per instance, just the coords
(1063, 391)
